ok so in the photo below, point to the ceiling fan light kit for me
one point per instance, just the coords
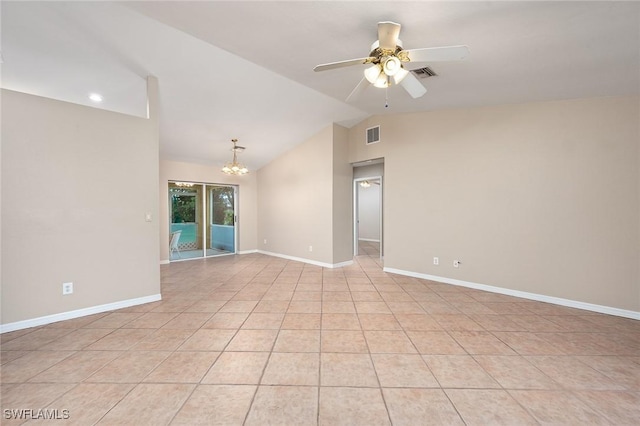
(387, 57)
(234, 167)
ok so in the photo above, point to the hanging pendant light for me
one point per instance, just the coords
(235, 168)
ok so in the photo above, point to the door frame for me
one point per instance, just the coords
(356, 183)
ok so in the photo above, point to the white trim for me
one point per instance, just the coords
(165, 262)
(248, 251)
(48, 319)
(369, 239)
(303, 260)
(523, 294)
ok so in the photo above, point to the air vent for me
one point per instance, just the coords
(425, 72)
(373, 135)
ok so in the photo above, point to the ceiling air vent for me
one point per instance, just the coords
(373, 135)
(425, 72)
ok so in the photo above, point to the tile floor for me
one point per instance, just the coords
(258, 340)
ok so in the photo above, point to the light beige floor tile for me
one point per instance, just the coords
(352, 406)
(340, 322)
(389, 342)
(301, 322)
(113, 320)
(272, 306)
(237, 368)
(459, 371)
(292, 369)
(89, 402)
(130, 367)
(284, 405)
(163, 340)
(216, 405)
(405, 308)
(396, 296)
(372, 308)
(525, 343)
(188, 321)
(30, 396)
(149, 404)
(557, 407)
(488, 407)
(481, 343)
(183, 367)
(208, 340)
(120, 340)
(408, 407)
(298, 341)
(253, 340)
(456, 322)
(77, 367)
(379, 322)
(366, 296)
(304, 307)
(333, 307)
(343, 341)
(620, 408)
(418, 322)
(278, 295)
(263, 321)
(227, 320)
(238, 306)
(22, 369)
(515, 372)
(8, 356)
(621, 369)
(206, 306)
(573, 374)
(403, 371)
(307, 296)
(340, 369)
(151, 320)
(77, 339)
(336, 296)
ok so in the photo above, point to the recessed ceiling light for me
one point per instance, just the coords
(95, 97)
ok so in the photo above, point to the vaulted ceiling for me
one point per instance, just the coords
(244, 70)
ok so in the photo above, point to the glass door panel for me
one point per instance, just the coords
(186, 230)
(221, 229)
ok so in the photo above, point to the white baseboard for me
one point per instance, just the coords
(523, 294)
(35, 322)
(303, 260)
(248, 251)
(368, 239)
(165, 262)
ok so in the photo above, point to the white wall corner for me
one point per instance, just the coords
(309, 261)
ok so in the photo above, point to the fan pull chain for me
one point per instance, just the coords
(386, 96)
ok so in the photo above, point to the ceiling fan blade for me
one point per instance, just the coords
(388, 33)
(357, 91)
(435, 54)
(413, 86)
(340, 64)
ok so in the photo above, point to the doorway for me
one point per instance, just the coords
(367, 223)
(202, 220)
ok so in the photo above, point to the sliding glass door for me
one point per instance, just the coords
(202, 220)
(221, 212)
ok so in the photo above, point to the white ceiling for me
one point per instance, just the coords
(245, 69)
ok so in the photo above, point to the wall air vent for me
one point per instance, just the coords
(425, 72)
(373, 135)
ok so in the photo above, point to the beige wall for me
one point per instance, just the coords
(192, 172)
(77, 183)
(304, 199)
(541, 198)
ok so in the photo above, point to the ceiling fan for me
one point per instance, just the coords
(387, 57)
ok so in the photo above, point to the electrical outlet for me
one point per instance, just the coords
(456, 263)
(67, 288)
(148, 217)
(265, 241)
(310, 248)
(436, 261)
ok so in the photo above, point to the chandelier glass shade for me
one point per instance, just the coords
(234, 167)
(381, 74)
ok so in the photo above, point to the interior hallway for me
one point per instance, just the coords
(256, 340)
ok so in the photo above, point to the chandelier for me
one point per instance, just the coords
(235, 168)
